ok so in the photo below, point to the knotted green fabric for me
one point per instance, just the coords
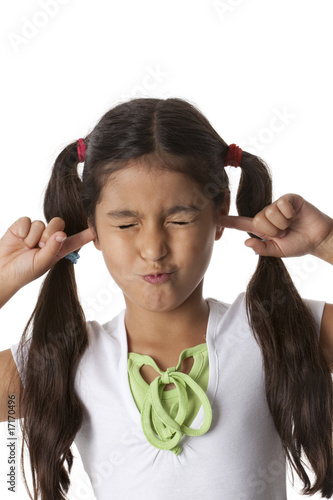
(167, 415)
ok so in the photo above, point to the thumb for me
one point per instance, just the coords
(49, 254)
(265, 248)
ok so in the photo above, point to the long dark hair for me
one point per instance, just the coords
(298, 381)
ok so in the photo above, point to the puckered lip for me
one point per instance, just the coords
(154, 273)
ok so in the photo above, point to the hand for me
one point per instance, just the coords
(290, 227)
(29, 249)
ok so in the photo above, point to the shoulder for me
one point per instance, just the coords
(223, 306)
(230, 317)
(328, 316)
(326, 334)
(316, 307)
(237, 311)
(323, 315)
(105, 339)
(110, 328)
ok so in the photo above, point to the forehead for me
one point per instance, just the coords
(138, 182)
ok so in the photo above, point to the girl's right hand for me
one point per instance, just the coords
(29, 249)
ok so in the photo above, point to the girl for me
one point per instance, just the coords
(177, 396)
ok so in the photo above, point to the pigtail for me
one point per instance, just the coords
(52, 410)
(298, 381)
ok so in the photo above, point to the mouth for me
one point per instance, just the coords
(157, 278)
(157, 274)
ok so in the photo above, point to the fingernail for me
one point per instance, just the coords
(41, 244)
(60, 239)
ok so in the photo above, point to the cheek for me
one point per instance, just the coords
(196, 244)
(118, 258)
(118, 250)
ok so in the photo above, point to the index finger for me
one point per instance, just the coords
(77, 241)
(238, 222)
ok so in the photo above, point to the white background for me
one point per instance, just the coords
(244, 63)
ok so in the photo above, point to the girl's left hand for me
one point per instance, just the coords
(290, 227)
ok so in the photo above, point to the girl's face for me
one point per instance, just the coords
(152, 221)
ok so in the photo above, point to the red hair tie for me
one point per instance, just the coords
(234, 156)
(81, 150)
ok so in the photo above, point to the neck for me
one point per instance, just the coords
(167, 331)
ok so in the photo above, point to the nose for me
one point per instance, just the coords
(153, 244)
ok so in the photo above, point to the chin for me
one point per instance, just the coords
(155, 302)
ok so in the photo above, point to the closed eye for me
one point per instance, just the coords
(124, 227)
(131, 225)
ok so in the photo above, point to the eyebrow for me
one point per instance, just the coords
(118, 214)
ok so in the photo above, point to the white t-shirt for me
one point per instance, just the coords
(239, 458)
